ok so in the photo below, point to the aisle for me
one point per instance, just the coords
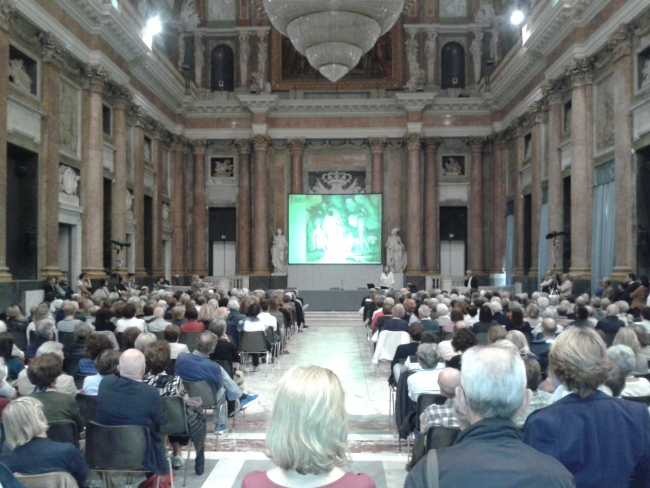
(334, 340)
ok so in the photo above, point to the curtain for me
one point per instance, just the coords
(542, 257)
(603, 237)
(510, 248)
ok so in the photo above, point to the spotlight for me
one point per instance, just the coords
(517, 17)
(154, 26)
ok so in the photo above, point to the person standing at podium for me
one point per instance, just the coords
(386, 280)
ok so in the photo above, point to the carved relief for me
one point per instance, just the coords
(337, 182)
(22, 71)
(244, 54)
(189, 16)
(453, 8)
(222, 167)
(605, 114)
(129, 201)
(643, 69)
(416, 74)
(222, 10)
(147, 149)
(68, 185)
(165, 212)
(476, 49)
(453, 166)
(485, 12)
(431, 51)
(69, 119)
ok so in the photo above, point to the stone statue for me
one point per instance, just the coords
(279, 253)
(189, 17)
(129, 200)
(485, 12)
(645, 74)
(199, 62)
(262, 54)
(259, 84)
(395, 252)
(477, 55)
(431, 51)
(181, 50)
(416, 73)
(244, 55)
(19, 76)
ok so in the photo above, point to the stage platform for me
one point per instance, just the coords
(329, 300)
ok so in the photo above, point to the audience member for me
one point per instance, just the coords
(129, 319)
(106, 363)
(611, 323)
(172, 335)
(403, 351)
(540, 398)
(158, 324)
(495, 333)
(425, 319)
(44, 333)
(13, 364)
(192, 324)
(64, 383)
(445, 348)
(224, 350)
(129, 336)
(426, 380)
(627, 337)
(624, 360)
(442, 415)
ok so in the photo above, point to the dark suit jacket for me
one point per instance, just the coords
(472, 283)
(610, 324)
(502, 319)
(121, 401)
(603, 441)
(396, 324)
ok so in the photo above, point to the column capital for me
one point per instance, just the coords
(534, 112)
(51, 49)
(432, 143)
(243, 146)
(377, 144)
(620, 42)
(552, 91)
(199, 146)
(139, 116)
(121, 96)
(159, 130)
(476, 144)
(579, 71)
(413, 141)
(261, 143)
(178, 143)
(296, 146)
(7, 12)
(94, 77)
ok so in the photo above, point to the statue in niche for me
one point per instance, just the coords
(279, 253)
(181, 50)
(189, 17)
(147, 150)
(485, 12)
(477, 55)
(453, 166)
(165, 212)
(645, 74)
(395, 252)
(18, 75)
(431, 52)
(258, 84)
(453, 8)
(416, 74)
(199, 62)
(129, 200)
(605, 119)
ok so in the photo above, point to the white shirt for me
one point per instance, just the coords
(386, 279)
(640, 388)
(268, 320)
(124, 324)
(470, 320)
(255, 325)
(177, 348)
(446, 350)
(425, 381)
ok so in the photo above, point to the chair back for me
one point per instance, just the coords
(70, 366)
(447, 336)
(119, 339)
(20, 339)
(391, 341)
(227, 366)
(116, 448)
(203, 390)
(67, 339)
(32, 336)
(171, 367)
(482, 338)
(425, 400)
(64, 431)
(252, 342)
(190, 339)
(58, 479)
(160, 335)
(454, 362)
(439, 437)
(644, 399)
(87, 406)
(176, 416)
(269, 335)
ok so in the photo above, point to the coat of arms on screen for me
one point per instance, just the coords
(222, 167)
(337, 182)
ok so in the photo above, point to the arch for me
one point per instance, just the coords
(222, 68)
(452, 66)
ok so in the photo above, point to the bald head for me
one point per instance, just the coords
(612, 310)
(448, 380)
(549, 328)
(460, 325)
(159, 312)
(132, 364)
(222, 313)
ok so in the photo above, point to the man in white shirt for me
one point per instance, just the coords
(129, 320)
(445, 349)
(426, 381)
(268, 319)
(158, 324)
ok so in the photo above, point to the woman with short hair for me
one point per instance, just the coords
(624, 359)
(627, 337)
(307, 435)
(30, 452)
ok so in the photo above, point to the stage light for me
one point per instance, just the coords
(517, 17)
(154, 27)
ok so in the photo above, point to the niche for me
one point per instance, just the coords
(452, 62)
(222, 68)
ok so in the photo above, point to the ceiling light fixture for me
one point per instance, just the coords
(333, 34)
(517, 17)
(154, 27)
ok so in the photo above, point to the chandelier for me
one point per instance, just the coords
(333, 34)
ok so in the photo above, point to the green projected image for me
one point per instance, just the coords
(335, 229)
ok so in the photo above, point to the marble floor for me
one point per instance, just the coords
(335, 340)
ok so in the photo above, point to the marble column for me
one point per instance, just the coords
(92, 172)
(518, 152)
(177, 207)
(431, 215)
(6, 12)
(138, 189)
(244, 208)
(121, 100)
(49, 171)
(498, 212)
(377, 146)
(414, 205)
(535, 186)
(555, 189)
(261, 227)
(200, 228)
(296, 149)
(581, 169)
(624, 188)
(476, 251)
(158, 265)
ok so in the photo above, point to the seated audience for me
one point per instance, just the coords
(517, 323)
(158, 324)
(426, 380)
(495, 333)
(126, 400)
(44, 333)
(129, 336)
(95, 345)
(192, 324)
(403, 351)
(43, 372)
(68, 323)
(611, 324)
(624, 360)
(442, 415)
(17, 326)
(540, 398)
(77, 350)
(490, 453)
(425, 319)
(224, 350)
(105, 364)
(41, 312)
(25, 429)
(13, 364)
(64, 383)
(129, 319)
(462, 340)
(178, 315)
(254, 324)
(444, 320)
(644, 341)
(7, 392)
(157, 357)
(172, 336)
(485, 321)
(445, 348)
(396, 323)
(307, 435)
(603, 441)
(143, 340)
(627, 337)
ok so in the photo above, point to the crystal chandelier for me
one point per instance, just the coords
(333, 34)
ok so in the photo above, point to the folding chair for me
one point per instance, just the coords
(387, 343)
(253, 343)
(64, 431)
(205, 391)
(87, 406)
(176, 424)
(190, 339)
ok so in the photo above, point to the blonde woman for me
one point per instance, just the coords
(207, 314)
(307, 436)
(627, 337)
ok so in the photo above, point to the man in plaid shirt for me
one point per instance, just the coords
(442, 415)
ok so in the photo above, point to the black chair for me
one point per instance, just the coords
(425, 400)
(160, 335)
(190, 339)
(644, 399)
(253, 343)
(119, 339)
(439, 437)
(176, 424)
(270, 341)
(20, 339)
(32, 336)
(227, 366)
(454, 362)
(70, 366)
(117, 448)
(87, 406)
(67, 339)
(171, 367)
(64, 431)
(482, 338)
